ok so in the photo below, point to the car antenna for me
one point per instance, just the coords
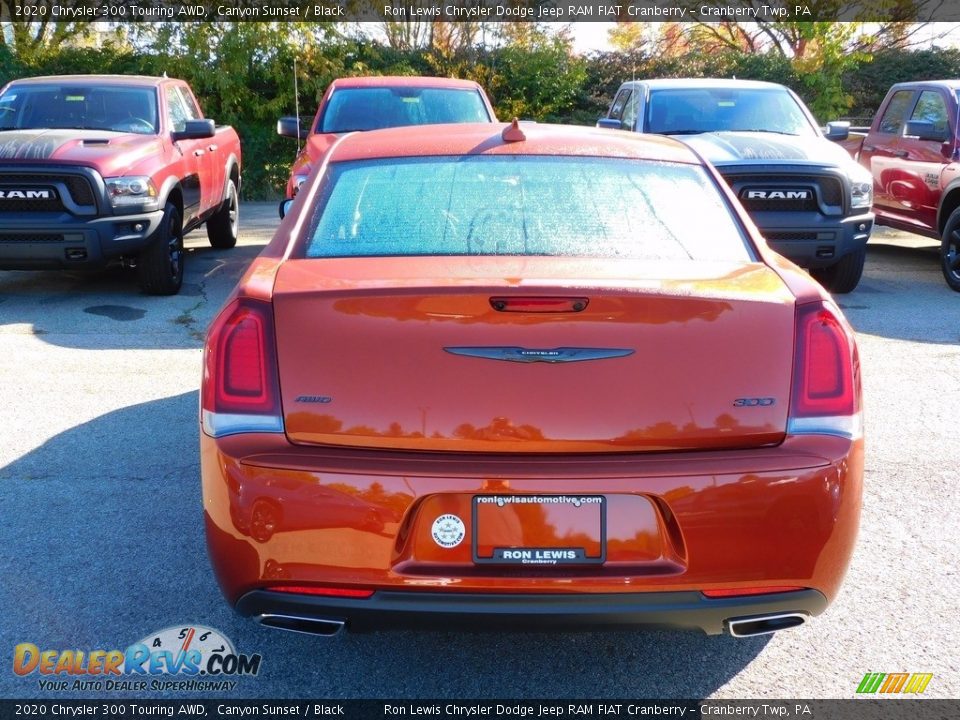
(296, 101)
(512, 133)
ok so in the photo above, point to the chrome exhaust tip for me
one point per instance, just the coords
(324, 627)
(764, 624)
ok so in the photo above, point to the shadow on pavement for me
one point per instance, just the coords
(103, 544)
(106, 310)
(903, 296)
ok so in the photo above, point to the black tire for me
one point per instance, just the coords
(224, 226)
(160, 265)
(950, 251)
(844, 275)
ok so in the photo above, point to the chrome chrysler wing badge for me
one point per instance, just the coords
(531, 355)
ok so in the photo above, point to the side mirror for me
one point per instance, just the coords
(285, 208)
(837, 130)
(609, 123)
(195, 130)
(925, 130)
(289, 126)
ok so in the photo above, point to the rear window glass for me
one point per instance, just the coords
(524, 205)
(352, 109)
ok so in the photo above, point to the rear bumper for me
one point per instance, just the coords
(678, 524)
(482, 612)
(37, 241)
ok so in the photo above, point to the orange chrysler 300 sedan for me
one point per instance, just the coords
(527, 376)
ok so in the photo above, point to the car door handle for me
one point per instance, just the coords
(901, 153)
(869, 148)
(212, 148)
(198, 153)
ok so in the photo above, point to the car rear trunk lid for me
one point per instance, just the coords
(423, 354)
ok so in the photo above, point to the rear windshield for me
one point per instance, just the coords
(524, 205)
(120, 109)
(697, 110)
(352, 109)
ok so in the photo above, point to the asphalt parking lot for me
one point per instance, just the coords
(101, 539)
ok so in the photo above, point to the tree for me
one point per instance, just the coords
(30, 39)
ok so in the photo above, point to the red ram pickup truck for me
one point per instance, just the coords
(912, 151)
(97, 170)
(373, 103)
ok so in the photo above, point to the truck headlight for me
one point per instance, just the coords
(135, 192)
(861, 193)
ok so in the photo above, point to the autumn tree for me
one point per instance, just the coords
(33, 38)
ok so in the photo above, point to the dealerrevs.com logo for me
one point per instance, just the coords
(183, 658)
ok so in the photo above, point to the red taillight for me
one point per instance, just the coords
(325, 591)
(825, 373)
(241, 360)
(240, 386)
(736, 592)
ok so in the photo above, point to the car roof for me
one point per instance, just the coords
(140, 80)
(381, 81)
(951, 84)
(705, 83)
(486, 139)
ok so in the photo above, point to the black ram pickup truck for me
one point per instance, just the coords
(806, 194)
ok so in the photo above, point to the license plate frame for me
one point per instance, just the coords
(541, 556)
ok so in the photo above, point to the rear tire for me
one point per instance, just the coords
(224, 226)
(160, 264)
(950, 251)
(843, 276)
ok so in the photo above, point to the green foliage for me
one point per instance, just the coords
(867, 83)
(243, 75)
(540, 82)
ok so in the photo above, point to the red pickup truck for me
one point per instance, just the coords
(373, 103)
(98, 170)
(913, 153)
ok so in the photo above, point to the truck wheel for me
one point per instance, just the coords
(224, 226)
(950, 251)
(160, 265)
(844, 275)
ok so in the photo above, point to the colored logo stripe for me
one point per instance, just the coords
(918, 682)
(894, 683)
(871, 682)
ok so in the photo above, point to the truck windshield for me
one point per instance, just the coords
(352, 109)
(114, 108)
(524, 205)
(688, 111)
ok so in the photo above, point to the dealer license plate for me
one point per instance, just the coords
(539, 530)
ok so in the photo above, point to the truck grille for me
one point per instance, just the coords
(52, 204)
(781, 204)
(786, 191)
(28, 238)
(77, 186)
